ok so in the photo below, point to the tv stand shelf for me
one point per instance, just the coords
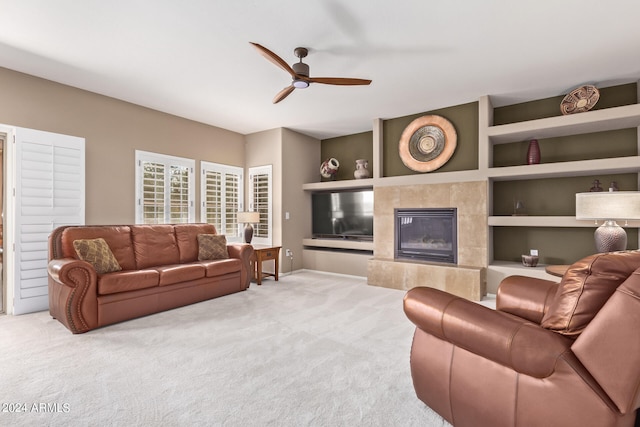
(350, 244)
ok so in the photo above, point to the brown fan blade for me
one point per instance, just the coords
(274, 58)
(283, 94)
(338, 81)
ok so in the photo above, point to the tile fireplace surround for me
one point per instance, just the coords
(467, 278)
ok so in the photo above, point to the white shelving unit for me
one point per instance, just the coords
(578, 124)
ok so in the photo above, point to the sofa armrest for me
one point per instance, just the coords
(526, 297)
(244, 253)
(515, 343)
(73, 298)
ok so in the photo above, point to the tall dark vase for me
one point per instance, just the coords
(533, 153)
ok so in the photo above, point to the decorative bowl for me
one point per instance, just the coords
(579, 100)
(529, 260)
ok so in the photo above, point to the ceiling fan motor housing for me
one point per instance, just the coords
(301, 68)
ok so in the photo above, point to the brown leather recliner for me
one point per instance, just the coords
(551, 354)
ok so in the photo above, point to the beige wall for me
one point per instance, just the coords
(265, 148)
(113, 130)
(300, 163)
(294, 160)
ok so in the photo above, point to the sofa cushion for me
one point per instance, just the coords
(221, 267)
(171, 274)
(124, 281)
(97, 253)
(187, 238)
(154, 245)
(211, 247)
(585, 288)
(117, 237)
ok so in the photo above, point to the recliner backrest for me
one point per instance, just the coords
(585, 288)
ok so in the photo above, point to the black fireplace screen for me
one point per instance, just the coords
(426, 234)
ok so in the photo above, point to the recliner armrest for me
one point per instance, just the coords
(526, 297)
(515, 343)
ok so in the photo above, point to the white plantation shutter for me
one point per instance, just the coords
(260, 200)
(164, 189)
(153, 192)
(222, 194)
(49, 192)
(179, 192)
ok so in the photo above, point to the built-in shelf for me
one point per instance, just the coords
(351, 184)
(413, 179)
(501, 269)
(547, 221)
(617, 165)
(608, 119)
(624, 117)
(339, 244)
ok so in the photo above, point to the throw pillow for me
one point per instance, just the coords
(585, 288)
(212, 246)
(97, 253)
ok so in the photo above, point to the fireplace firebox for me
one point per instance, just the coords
(427, 234)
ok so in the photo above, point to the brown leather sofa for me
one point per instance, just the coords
(156, 268)
(551, 354)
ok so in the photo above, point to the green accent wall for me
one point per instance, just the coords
(551, 196)
(618, 143)
(348, 149)
(614, 96)
(555, 245)
(598, 145)
(464, 119)
(556, 196)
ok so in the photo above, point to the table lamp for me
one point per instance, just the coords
(248, 218)
(609, 207)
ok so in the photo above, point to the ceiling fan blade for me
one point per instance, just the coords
(274, 58)
(338, 81)
(283, 94)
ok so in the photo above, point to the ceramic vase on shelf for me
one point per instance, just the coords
(533, 153)
(329, 168)
(361, 169)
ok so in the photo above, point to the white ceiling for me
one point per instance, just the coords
(192, 58)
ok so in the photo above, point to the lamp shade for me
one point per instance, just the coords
(611, 205)
(248, 217)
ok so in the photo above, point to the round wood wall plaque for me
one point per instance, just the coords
(427, 143)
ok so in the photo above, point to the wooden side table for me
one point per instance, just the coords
(557, 270)
(265, 253)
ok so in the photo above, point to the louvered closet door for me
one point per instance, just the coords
(49, 192)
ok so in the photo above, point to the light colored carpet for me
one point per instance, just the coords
(309, 350)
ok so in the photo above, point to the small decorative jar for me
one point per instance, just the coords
(361, 169)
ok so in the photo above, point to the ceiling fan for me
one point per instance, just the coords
(300, 73)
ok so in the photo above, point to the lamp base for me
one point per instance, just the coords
(610, 237)
(248, 234)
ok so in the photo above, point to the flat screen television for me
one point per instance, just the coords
(343, 214)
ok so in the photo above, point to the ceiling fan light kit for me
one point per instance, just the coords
(300, 73)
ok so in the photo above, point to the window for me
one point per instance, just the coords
(222, 195)
(164, 189)
(260, 200)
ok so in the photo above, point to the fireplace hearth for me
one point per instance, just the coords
(426, 234)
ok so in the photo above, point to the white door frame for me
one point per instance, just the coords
(5, 137)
